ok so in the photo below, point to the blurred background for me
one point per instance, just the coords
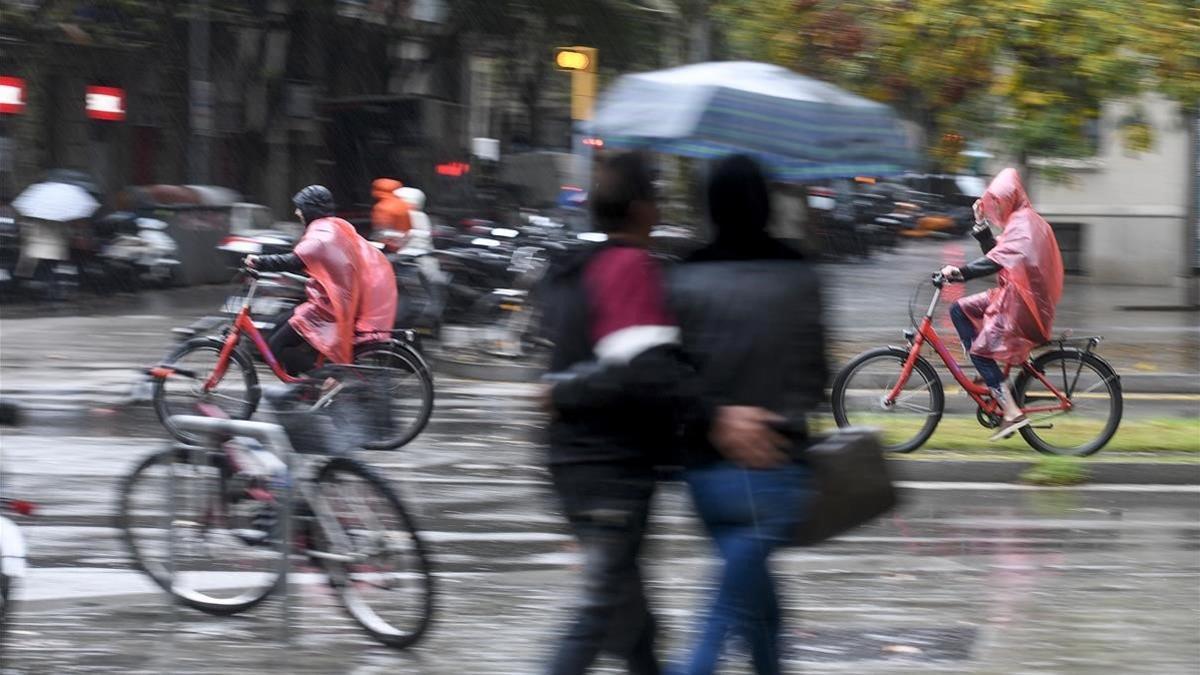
(146, 147)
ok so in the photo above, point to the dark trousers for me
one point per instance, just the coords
(293, 351)
(966, 332)
(607, 506)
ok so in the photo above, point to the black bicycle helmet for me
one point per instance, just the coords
(314, 201)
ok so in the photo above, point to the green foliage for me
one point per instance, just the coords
(1030, 73)
(1056, 471)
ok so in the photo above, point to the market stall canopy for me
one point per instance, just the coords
(802, 128)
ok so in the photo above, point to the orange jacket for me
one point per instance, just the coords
(390, 212)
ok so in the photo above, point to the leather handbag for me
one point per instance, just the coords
(851, 485)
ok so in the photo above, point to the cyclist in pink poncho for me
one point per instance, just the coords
(1003, 325)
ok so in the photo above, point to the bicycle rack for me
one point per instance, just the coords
(274, 439)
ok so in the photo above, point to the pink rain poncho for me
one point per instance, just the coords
(351, 288)
(1018, 314)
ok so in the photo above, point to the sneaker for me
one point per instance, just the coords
(1009, 427)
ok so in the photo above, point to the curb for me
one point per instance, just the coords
(1000, 471)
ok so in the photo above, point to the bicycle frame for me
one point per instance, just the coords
(244, 324)
(978, 392)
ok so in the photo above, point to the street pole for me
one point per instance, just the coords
(199, 94)
(581, 63)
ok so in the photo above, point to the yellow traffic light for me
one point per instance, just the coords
(571, 58)
(581, 62)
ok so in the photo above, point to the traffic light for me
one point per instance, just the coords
(573, 58)
(581, 63)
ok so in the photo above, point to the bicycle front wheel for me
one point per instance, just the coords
(192, 526)
(402, 389)
(861, 389)
(178, 393)
(1094, 391)
(374, 557)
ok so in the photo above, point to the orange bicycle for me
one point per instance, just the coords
(1071, 395)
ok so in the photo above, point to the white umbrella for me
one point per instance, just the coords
(58, 202)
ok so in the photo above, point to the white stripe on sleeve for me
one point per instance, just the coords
(621, 346)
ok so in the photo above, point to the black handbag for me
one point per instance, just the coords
(851, 485)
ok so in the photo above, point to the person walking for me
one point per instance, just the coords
(621, 388)
(749, 312)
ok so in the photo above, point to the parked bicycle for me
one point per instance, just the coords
(199, 372)
(1071, 395)
(207, 524)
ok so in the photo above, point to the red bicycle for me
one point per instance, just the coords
(199, 372)
(1071, 395)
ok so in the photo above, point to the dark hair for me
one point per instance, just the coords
(620, 180)
(739, 201)
(314, 201)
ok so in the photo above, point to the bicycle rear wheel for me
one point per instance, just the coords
(226, 549)
(403, 386)
(236, 394)
(375, 559)
(1096, 403)
(861, 387)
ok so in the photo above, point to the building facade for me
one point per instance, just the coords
(1123, 216)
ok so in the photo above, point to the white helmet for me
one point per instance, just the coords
(414, 197)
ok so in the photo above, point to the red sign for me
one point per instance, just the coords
(455, 169)
(12, 95)
(105, 103)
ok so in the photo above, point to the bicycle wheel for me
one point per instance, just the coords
(403, 386)
(860, 388)
(1094, 390)
(227, 557)
(236, 394)
(377, 563)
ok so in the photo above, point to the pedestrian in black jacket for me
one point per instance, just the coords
(749, 311)
(622, 389)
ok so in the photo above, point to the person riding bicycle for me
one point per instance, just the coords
(351, 289)
(1004, 324)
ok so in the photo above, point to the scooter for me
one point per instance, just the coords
(140, 250)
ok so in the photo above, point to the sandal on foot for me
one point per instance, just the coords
(1009, 427)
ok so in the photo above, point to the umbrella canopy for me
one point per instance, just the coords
(58, 202)
(802, 128)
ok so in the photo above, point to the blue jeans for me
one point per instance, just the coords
(966, 332)
(749, 513)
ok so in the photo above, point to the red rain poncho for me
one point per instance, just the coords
(1018, 314)
(347, 289)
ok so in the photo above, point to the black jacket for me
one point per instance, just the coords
(751, 320)
(982, 266)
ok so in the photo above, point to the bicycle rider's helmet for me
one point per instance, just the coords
(314, 201)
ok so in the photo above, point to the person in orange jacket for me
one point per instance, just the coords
(390, 212)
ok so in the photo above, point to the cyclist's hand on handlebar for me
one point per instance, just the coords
(250, 262)
(952, 273)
